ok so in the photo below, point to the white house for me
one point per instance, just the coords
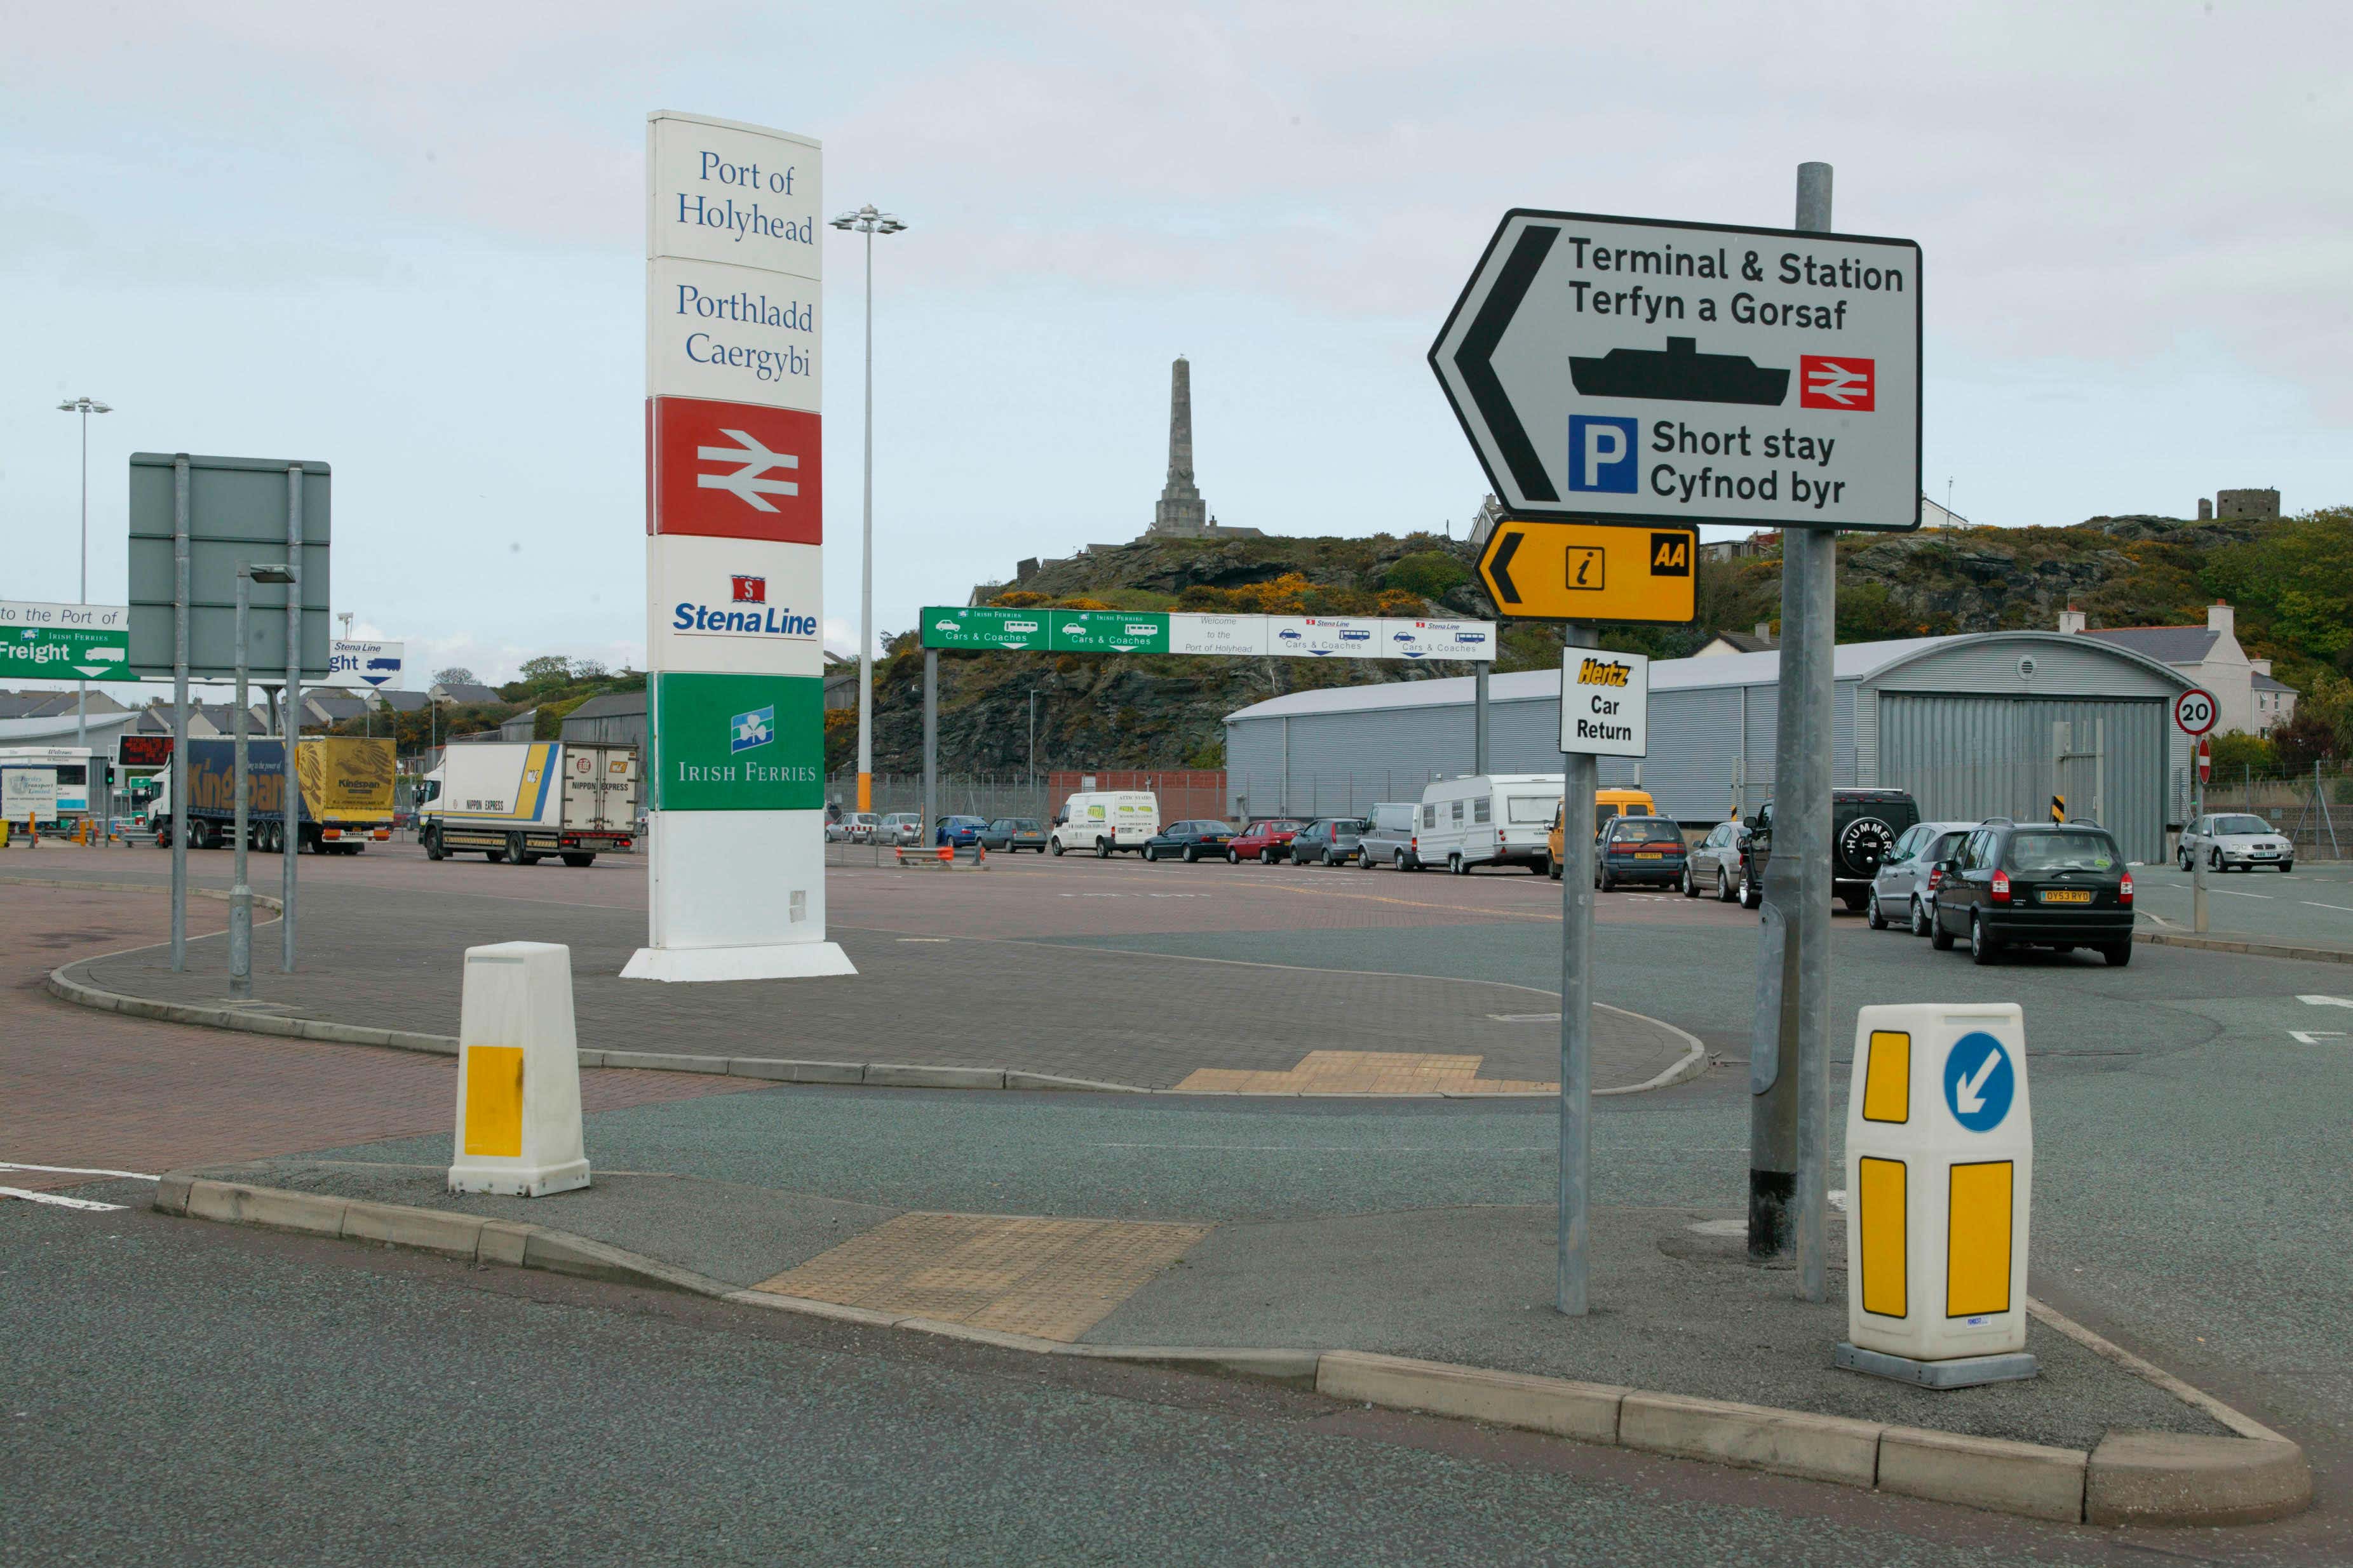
(2249, 699)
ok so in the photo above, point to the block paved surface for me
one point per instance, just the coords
(97, 1090)
(1052, 1279)
(390, 957)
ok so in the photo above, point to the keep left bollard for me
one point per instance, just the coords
(518, 1074)
(1940, 1188)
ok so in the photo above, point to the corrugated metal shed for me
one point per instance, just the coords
(1987, 725)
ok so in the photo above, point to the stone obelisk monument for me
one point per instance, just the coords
(1181, 509)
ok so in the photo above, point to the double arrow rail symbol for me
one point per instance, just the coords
(746, 482)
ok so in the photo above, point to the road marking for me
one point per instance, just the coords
(55, 1200)
(75, 1170)
(2325, 1001)
(2314, 904)
(1327, 1149)
(927, 939)
(1525, 1017)
(2228, 893)
(2314, 1037)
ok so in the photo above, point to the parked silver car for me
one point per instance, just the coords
(1389, 838)
(1900, 894)
(1713, 865)
(2235, 841)
(900, 827)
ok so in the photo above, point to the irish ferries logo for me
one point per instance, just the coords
(747, 731)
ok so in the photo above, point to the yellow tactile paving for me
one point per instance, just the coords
(1362, 1072)
(1055, 1278)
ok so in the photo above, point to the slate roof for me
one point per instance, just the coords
(461, 692)
(2266, 683)
(1747, 642)
(2167, 645)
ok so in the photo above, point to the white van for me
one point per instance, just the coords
(1488, 819)
(1105, 820)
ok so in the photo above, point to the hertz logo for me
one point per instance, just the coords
(1602, 672)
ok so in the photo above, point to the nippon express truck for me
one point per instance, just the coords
(522, 801)
(345, 780)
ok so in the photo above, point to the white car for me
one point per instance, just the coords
(2235, 841)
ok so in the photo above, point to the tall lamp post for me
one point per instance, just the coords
(870, 223)
(85, 406)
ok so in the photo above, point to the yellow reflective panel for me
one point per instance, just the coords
(494, 1101)
(1887, 1078)
(1880, 1222)
(1976, 1267)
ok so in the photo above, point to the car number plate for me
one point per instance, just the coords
(2067, 896)
(1649, 855)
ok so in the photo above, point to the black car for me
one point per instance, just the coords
(1015, 833)
(1864, 825)
(2056, 884)
(1638, 849)
(1327, 841)
(1190, 840)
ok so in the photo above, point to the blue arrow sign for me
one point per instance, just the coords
(1979, 1082)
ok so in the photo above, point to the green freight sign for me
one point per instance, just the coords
(738, 742)
(64, 642)
(1014, 630)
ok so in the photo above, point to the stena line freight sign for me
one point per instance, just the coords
(1617, 368)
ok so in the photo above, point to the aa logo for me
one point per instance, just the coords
(1671, 554)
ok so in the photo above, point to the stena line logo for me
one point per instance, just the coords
(747, 612)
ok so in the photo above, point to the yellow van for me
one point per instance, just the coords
(1608, 804)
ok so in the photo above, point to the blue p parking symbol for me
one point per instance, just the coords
(1601, 454)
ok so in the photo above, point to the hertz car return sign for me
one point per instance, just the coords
(1625, 370)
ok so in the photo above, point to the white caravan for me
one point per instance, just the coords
(1488, 819)
(1105, 820)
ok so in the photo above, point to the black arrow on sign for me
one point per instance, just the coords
(1500, 568)
(1475, 359)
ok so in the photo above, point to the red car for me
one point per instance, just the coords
(1267, 839)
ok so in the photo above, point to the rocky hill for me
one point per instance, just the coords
(2291, 579)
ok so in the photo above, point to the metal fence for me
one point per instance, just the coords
(2314, 810)
(1305, 792)
(961, 794)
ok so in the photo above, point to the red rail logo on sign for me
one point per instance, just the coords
(735, 470)
(1836, 381)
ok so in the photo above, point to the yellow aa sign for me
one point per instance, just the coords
(1591, 571)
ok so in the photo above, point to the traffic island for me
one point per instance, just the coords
(1691, 1351)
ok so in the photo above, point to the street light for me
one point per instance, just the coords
(870, 223)
(85, 406)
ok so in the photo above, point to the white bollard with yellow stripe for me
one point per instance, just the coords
(1940, 1186)
(518, 1074)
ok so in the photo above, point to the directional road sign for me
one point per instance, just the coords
(1979, 1081)
(2195, 711)
(1591, 571)
(238, 511)
(65, 642)
(1624, 368)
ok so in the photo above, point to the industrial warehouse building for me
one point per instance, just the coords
(1989, 724)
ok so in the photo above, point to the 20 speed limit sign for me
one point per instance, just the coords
(2194, 711)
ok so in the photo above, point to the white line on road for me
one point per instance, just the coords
(2229, 893)
(2315, 904)
(55, 1200)
(2325, 1001)
(77, 1171)
(2314, 1037)
(1328, 1149)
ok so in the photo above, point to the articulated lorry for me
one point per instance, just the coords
(522, 801)
(346, 793)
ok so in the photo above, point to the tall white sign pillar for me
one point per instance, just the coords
(734, 537)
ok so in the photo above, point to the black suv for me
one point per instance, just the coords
(1864, 825)
(2056, 884)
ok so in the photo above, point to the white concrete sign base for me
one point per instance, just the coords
(717, 875)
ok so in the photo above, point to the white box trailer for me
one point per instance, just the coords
(520, 801)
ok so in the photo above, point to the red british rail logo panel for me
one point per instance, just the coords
(735, 470)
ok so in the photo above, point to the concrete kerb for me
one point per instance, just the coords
(2132, 1477)
(65, 986)
(2251, 949)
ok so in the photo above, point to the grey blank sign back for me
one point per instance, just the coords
(236, 516)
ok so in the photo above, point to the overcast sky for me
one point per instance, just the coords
(408, 241)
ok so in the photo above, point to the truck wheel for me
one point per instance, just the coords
(579, 859)
(1054, 847)
(433, 851)
(1102, 848)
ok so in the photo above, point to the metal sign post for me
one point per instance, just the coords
(179, 712)
(2194, 713)
(290, 786)
(1604, 713)
(240, 894)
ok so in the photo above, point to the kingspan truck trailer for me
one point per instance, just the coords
(346, 792)
(522, 801)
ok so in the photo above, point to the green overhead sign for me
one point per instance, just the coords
(44, 641)
(989, 629)
(1107, 631)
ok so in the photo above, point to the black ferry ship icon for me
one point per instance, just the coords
(1680, 372)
